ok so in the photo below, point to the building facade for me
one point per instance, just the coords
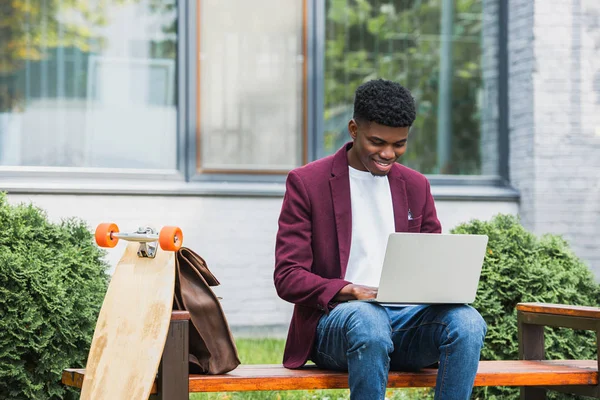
(191, 113)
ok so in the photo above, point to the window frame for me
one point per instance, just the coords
(314, 34)
(502, 179)
(49, 179)
(195, 171)
(185, 179)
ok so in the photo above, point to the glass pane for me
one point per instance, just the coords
(251, 84)
(444, 51)
(88, 84)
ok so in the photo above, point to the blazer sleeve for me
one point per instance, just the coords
(294, 278)
(430, 223)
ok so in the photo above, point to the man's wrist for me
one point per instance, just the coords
(352, 292)
(346, 293)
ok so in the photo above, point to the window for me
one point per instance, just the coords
(444, 51)
(251, 86)
(208, 91)
(84, 86)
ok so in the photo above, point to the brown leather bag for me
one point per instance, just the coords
(212, 348)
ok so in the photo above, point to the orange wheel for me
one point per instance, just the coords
(170, 238)
(104, 234)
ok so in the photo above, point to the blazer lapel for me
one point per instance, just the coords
(399, 199)
(340, 195)
(342, 207)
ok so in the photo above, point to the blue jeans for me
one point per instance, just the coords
(368, 340)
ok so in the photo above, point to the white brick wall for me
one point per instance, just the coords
(554, 55)
(235, 235)
(489, 106)
(554, 83)
(520, 64)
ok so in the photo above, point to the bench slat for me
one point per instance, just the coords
(490, 373)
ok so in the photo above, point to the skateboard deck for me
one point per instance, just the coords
(132, 327)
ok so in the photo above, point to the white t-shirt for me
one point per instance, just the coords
(372, 223)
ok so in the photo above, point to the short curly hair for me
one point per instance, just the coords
(384, 102)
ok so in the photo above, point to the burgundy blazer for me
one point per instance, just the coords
(313, 240)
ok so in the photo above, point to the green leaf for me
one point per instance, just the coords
(521, 267)
(52, 282)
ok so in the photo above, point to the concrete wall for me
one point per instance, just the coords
(554, 69)
(235, 235)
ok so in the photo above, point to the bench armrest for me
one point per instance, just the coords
(560, 309)
(180, 315)
(533, 317)
(559, 315)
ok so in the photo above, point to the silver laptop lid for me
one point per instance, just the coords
(423, 268)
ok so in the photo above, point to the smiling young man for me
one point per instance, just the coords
(335, 219)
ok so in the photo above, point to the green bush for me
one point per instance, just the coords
(521, 267)
(52, 282)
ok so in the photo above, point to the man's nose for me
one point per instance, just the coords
(387, 153)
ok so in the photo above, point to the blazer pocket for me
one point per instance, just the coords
(414, 225)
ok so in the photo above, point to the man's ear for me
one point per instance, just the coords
(353, 129)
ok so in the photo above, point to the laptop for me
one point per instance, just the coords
(427, 268)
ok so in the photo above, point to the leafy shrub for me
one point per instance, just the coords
(52, 282)
(520, 267)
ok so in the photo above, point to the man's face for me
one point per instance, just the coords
(376, 147)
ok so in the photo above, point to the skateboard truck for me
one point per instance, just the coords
(147, 249)
(146, 236)
(170, 238)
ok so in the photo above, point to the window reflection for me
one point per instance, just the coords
(444, 51)
(251, 84)
(89, 84)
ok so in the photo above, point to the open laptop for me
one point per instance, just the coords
(424, 268)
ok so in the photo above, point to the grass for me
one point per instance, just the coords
(270, 351)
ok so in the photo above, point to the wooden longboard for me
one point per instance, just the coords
(132, 327)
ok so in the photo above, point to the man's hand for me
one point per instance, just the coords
(356, 292)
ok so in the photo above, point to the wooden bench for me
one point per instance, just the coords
(532, 372)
